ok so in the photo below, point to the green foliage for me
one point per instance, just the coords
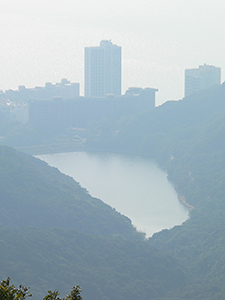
(105, 254)
(52, 295)
(34, 194)
(53, 233)
(186, 138)
(75, 294)
(104, 267)
(10, 292)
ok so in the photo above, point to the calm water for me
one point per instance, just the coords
(133, 186)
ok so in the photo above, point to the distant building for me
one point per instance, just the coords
(103, 70)
(11, 111)
(5, 107)
(64, 89)
(19, 113)
(202, 78)
(80, 111)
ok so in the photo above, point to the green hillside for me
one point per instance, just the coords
(105, 268)
(54, 235)
(186, 138)
(34, 194)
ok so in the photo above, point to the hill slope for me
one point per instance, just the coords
(54, 235)
(186, 138)
(34, 194)
(105, 268)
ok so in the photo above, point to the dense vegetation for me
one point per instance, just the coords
(8, 291)
(187, 139)
(96, 247)
(53, 234)
(105, 268)
(33, 194)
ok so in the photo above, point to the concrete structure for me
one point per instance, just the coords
(102, 70)
(12, 111)
(202, 78)
(19, 113)
(80, 111)
(64, 89)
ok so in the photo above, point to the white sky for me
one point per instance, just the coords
(43, 40)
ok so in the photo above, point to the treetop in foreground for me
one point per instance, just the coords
(10, 292)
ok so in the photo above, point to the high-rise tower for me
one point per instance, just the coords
(102, 70)
(202, 78)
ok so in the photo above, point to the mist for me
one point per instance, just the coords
(44, 41)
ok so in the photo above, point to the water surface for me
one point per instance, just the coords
(134, 186)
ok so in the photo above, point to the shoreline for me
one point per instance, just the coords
(184, 203)
(51, 149)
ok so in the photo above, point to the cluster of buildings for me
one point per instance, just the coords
(64, 89)
(14, 103)
(102, 96)
(60, 104)
(79, 112)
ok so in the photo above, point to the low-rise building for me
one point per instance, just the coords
(79, 111)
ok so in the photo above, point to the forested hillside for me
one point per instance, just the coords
(105, 268)
(34, 194)
(186, 138)
(54, 235)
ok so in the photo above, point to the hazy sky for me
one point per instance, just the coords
(43, 40)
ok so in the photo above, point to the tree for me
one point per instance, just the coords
(10, 292)
(52, 295)
(74, 294)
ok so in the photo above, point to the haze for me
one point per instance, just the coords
(43, 41)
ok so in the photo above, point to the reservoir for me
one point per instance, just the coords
(135, 187)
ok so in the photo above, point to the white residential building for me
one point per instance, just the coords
(102, 70)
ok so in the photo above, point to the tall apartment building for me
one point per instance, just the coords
(202, 78)
(103, 70)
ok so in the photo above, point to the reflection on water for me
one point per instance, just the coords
(134, 186)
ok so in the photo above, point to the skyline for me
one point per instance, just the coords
(44, 41)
